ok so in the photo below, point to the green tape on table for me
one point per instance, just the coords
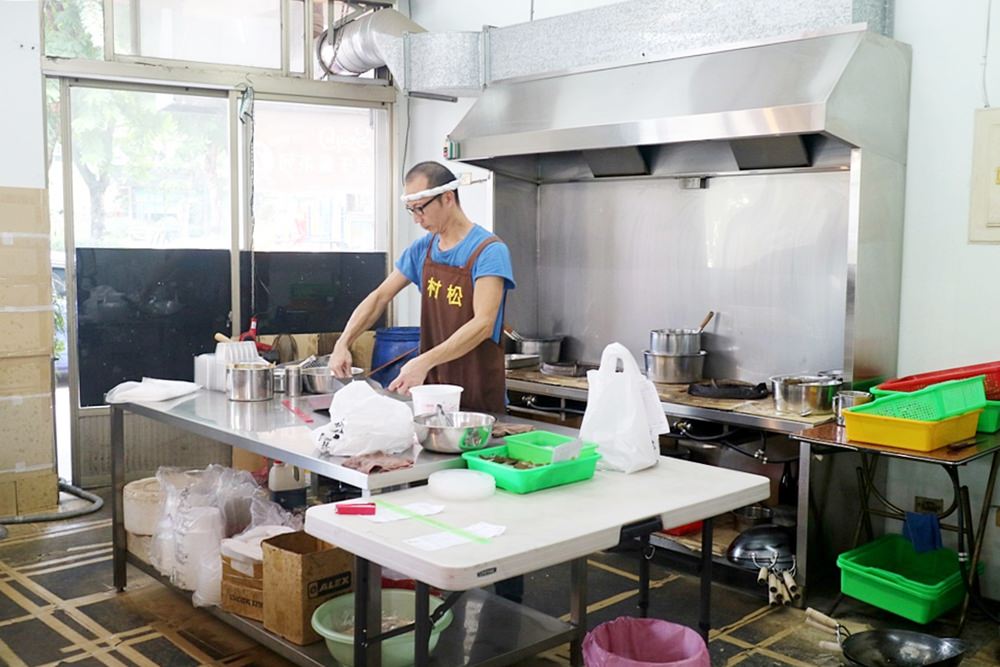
(432, 522)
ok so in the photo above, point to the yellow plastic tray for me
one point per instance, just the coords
(921, 436)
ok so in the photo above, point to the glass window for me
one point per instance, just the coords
(150, 170)
(315, 177)
(74, 29)
(232, 32)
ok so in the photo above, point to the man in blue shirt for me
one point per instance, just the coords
(463, 273)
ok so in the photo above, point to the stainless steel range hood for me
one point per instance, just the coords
(785, 104)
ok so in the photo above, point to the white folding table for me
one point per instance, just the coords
(563, 524)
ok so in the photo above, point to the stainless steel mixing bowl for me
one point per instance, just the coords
(454, 432)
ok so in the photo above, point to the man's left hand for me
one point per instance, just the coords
(412, 374)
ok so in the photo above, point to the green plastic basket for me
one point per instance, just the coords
(531, 479)
(933, 403)
(536, 446)
(889, 574)
(989, 418)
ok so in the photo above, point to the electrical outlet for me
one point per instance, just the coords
(933, 505)
(465, 178)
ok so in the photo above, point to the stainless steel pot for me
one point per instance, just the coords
(675, 341)
(250, 381)
(751, 515)
(454, 432)
(675, 368)
(805, 394)
(547, 349)
(848, 399)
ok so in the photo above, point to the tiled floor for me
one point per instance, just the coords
(58, 607)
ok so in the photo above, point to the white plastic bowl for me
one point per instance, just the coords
(427, 397)
(397, 651)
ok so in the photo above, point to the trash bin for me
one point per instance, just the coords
(644, 642)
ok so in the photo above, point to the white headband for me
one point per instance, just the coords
(430, 192)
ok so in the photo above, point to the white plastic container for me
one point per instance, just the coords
(287, 485)
(427, 397)
(141, 506)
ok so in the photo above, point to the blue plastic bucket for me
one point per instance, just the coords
(389, 344)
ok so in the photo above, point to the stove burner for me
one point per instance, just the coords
(566, 368)
(728, 389)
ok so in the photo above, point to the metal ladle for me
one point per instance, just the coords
(444, 417)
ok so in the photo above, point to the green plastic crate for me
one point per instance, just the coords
(887, 573)
(989, 418)
(933, 403)
(531, 479)
(536, 446)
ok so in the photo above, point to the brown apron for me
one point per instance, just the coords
(446, 305)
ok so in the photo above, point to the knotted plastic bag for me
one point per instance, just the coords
(362, 421)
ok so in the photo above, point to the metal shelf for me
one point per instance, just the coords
(487, 630)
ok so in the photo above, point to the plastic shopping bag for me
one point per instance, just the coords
(624, 417)
(362, 421)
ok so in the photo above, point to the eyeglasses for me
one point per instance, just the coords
(419, 210)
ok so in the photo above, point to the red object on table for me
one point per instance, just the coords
(915, 382)
(686, 529)
(297, 412)
(356, 508)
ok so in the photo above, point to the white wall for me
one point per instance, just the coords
(22, 138)
(950, 306)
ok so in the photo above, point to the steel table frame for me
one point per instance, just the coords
(951, 459)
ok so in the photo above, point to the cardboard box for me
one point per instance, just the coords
(24, 210)
(24, 261)
(301, 573)
(26, 433)
(26, 334)
(23, 376)
(243, 594)
(28, 492)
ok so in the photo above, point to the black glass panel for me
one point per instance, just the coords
(147, 313)
(308, 292)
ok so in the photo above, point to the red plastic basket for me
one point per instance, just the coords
(990, 370)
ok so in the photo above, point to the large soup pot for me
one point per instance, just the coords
(805, 394)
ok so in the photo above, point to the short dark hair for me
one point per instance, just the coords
(436, 174)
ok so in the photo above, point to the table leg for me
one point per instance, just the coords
(367, 612)
(643, 576)
(118, 537)
(578, 609)
(422, 635)
(705, 614)
(984, 513)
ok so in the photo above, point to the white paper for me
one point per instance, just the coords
(567, 451)
(444, 540)
(384, 515)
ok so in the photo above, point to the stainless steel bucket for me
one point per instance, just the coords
(250, 381)
(548, 349)
(805, 394)
(675, 368)
(675, 341)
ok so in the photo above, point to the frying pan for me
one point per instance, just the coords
(891, 648)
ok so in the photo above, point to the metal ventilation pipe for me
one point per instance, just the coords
(374, 40)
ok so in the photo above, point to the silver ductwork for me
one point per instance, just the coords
(786, 104)
(372, 41)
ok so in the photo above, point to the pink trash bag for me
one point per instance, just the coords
(644, 642)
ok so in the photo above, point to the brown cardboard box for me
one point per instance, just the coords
(24, 261)
(26, 334)
(24, 210)
(301, 573)
(26, 433)
(28, 492)
(22, 376)
(242, 594)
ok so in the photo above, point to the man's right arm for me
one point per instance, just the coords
(363, 317)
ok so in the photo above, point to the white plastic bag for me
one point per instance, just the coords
(363, 421)
(624, 417)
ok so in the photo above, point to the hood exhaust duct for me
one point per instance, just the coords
(786, 104)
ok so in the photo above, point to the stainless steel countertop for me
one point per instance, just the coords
(270, 429)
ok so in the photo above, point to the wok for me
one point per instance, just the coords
(892, 648)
